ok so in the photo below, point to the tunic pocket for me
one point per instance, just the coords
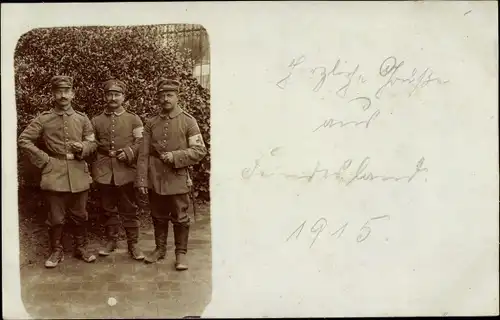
(53, 174)
(101, 167)
(181, 172)
(48, 167)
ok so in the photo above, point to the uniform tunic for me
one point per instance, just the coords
(59, 129)
(177, 133)
(65, 175)
(116, 130)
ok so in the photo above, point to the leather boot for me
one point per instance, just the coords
(111, 243)
(181, 235)
(181, 262)
(132, 240)
(57, 254)
(81, 240)
(161, 232)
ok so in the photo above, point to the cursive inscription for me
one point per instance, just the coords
(366, 104)
(330, 123)
(320, 225)
(363, 174)
(347, 174)
(323, 75)
(295, 62)
(390, 70)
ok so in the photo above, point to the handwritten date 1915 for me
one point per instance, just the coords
(320, 225)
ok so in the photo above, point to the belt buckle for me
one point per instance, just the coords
(112, 153)
(70, 156)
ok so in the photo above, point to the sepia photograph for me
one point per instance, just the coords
(184, 159)
(113, 138)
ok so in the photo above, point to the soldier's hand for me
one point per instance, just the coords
(77, 146)
(163, 157)
(46, 165)
(121, 155)
(143, 190)
(167, 157)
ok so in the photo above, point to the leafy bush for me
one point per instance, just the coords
(137, 55)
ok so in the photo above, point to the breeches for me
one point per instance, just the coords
(172, 208)
(119, 201)
(66, 206)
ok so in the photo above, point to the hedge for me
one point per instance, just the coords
(137, 55)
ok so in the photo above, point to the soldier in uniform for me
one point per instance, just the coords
(118, 135)
(65, 179)
(172, 142)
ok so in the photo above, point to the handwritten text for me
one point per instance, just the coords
(347, 174)
(321, 224)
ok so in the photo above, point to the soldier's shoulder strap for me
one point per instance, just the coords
(83, 114)
(44, 113)
(42, 116)
(98, 116)
(188, 114)
(151, 120)
(130, 112)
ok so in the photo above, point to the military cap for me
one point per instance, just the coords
(168, 84)
(115, 85)
(61, 82)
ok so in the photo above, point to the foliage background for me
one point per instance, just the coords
(137, 55)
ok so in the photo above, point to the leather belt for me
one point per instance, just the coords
(155, 154)
(108, 153)
(67, 156)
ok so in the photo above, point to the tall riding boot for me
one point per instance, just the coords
(57, 254)
(81, 240)
(161, 232)
(111, 243)
(132, 240)
(181, 235)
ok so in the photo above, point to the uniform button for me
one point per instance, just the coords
(112, 142)
(164, 140)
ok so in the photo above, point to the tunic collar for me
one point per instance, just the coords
(59, 112)
(118, 112)
(174, 113)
